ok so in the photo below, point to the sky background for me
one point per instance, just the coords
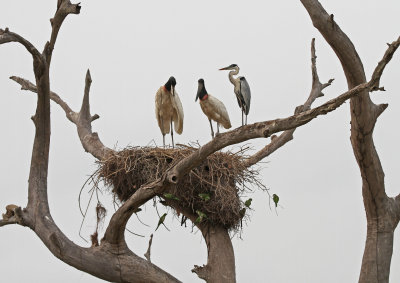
(132, 48)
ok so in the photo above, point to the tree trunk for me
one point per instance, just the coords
(220, 266)
(381, 211)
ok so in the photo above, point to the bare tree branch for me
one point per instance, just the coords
(27, 85)
(90, 141)
(7, 36)
(381, 222)
(13, 215)
(147, 255)
(64, 8)
(114, 263)
(115, 232)
(122, 264)
(286, 136)
(93, 145)
(377, 74)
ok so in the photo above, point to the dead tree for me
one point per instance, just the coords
(383, 212)
(111, 259)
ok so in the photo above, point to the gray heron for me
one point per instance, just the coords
(169, 109)
(241, 89)
(213, 108)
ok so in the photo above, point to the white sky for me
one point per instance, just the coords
(131, 48)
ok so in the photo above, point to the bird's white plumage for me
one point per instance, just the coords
(215, 110)
(168, 108)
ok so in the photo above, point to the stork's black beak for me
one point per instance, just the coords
(198, 91)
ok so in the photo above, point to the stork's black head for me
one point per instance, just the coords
(230, 67)
(201, 90)
(171, 82)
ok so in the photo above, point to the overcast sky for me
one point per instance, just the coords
(132, 48)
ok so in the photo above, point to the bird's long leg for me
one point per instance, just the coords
(172, 135)
(217, 128)
(163, 140)
(242, 118)
(212, 130)
(246, 119)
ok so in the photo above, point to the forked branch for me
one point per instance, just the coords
(286, 136)
(64, 8)
(90, 141)
(7, 36)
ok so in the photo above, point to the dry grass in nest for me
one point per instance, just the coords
(222, 177)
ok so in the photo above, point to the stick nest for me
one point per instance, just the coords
(212, 188)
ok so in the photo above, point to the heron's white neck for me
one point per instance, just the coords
(232, 73)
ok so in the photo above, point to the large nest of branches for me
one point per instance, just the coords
(211, 190)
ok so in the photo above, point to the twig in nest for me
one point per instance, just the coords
(101, 213)
(147, 254)
(223, 176)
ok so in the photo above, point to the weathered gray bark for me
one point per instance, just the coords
(112, 260)
(218, 270)
(382, 211)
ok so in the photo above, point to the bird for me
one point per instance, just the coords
(241, 89)
(169, 109)
(213, 108)
(275, 198)
(247, 203)
(161, 220)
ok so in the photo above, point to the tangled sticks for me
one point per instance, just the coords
(213, 188)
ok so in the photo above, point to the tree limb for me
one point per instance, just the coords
(7, 36)
(381, 222)
(241, 134)
(64, 8)
(114, 263)
(286, 136)
(90, 141)
(27, 85)
(147, 255)
(113, 247)
(115, 232)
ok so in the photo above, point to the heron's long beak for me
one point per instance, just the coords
(172, 90)
(226, 68)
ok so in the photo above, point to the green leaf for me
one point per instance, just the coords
(201, 217)
(171, 196)
(205, 197)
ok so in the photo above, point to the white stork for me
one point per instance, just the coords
(169, 108)
(213, 108)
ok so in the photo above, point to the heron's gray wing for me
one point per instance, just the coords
(246, 94)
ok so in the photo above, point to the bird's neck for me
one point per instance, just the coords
(203, 95)
(233, 73)
(167, 86)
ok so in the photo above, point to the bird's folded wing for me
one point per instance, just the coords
(246, 94)
(178, 121)
(158, 106)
